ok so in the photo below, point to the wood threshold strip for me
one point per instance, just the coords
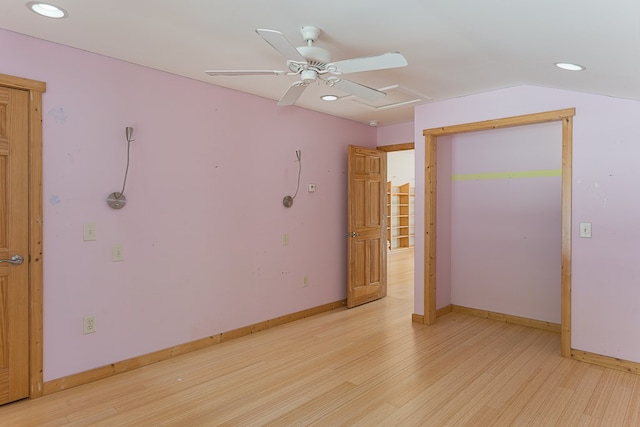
(106, 371)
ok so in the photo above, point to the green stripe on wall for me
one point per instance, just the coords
(506, 175)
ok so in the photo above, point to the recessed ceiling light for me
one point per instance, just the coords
(48, 10)
(570, 67)
(328, 97)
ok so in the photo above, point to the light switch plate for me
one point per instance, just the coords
(90, 231)
(585, 230)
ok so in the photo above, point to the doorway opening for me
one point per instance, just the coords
(430, 200)
(400, 218)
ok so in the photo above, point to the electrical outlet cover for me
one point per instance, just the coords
(89, 324)
(117, 253)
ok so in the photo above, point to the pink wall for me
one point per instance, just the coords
(395, 134)
(505, 246)
(443, 213)
(605, 271)
(203, 226)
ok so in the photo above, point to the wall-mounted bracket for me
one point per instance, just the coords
(116, 200)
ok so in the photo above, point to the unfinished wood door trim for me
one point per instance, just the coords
(396, 147)
(35, 89)
(430, 200)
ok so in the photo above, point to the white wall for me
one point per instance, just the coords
(401, 133)
(401, 167)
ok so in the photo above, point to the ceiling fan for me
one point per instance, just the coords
(314, 63)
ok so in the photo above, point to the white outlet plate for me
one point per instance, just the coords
(305, 282)
(117, 253)
(90, 231)
(312, 188)
(285, 239)
(585, 230)
(89, 324)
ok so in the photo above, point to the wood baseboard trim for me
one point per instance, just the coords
(419, 318)
(508, 318)
(444, 310)
(580, 355)
(85, 377)
(606, 361)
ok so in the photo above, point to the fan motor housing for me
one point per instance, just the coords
(315, 54)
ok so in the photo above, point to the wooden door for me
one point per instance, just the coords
(367, 217)
(14, 240)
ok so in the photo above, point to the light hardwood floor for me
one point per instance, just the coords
(366, 366)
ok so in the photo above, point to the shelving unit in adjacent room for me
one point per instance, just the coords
(400, 216)
(389, 215)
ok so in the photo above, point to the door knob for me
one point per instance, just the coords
(15, 260)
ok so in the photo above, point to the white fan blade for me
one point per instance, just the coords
(369, 63)
(245, 72)
(292, 94)
(280, 43)
(361, 91)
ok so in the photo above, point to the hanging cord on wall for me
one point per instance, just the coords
(299, 156)
(288, 200)
(129, 132)
(118, 200)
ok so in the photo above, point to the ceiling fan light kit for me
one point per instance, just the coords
(312, 63)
